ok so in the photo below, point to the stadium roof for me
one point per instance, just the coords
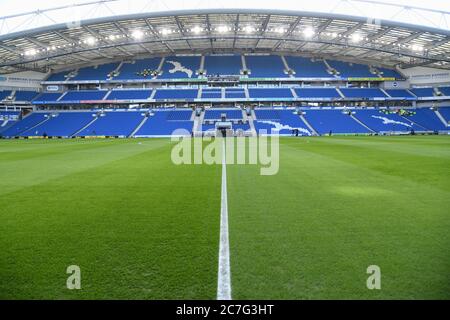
(161, 30)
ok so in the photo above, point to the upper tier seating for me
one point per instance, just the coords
(114, 123)
(212, 93)
(133, 70)
(235, 93)
(427, 119)
(362, 93)
(281, 121)
(129, 94)
(324, 121)
(62, 124)
(270, 93)
(99, 72)
(445, 112)
(305, 68)
(163, 94)
(423, 92)
(84, 95)
(5, 94)
(180, 67)
(317, 93)
(160, 124)
(347, 70)
(445, 91)
(215, 114)
(265, 67)
(26, 123)
(382, 122)
(223, 65)
(399, 93)
(389, 73)
(48, 97)
(25, 95)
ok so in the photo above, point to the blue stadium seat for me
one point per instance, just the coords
(5, 94)
(25, 95)
(399, 93)
(62, 124)
(445, 112)
(114, 123)
(355, 70)
(317, 93)
(160, 125)
(215, 114)
(84, 95)
(182, 94)
(390, 73)
(426, 118)
(223, 65)
(180, 67)
(385, 122)
(212, 93)
(270, 93)
(47, 97)
(265, 67)
(234, 93)
(445, 91)
(99, 72)
(25, 124)
(305, 68)
(130, 71)
(423, 92)
(363, 93)
(281, 121)
(129, 94)
(324, 121)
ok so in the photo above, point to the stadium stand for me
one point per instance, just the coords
(211, 93)
(275, 93)
(99, 72)
(382, 122)
(233, 114)
(174, 94)
(306, 68)
(180, 67)
(265, 66)
(235, 93)
(348, 70)
(27, 123)
(25, 96)
(84, 95)
(423, 92)
(399, 93)
(334, 121)
(113, 123)
(62, 124)
(129, 95)
(135, 69)
(362, 93)
(5, 94)
(317, 93)
(445, 112)
(223, 65)
(161, 123)
(47, 97)
(445, 91)
(281, 121)
(427, 119)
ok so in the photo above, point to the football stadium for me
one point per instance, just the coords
(169, 150)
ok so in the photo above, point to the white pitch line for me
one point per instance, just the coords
(224, 275)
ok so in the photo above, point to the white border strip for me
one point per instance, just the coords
(224, 275)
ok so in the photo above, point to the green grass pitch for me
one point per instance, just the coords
(141, 227)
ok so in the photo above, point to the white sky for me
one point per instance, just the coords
(8, 7)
